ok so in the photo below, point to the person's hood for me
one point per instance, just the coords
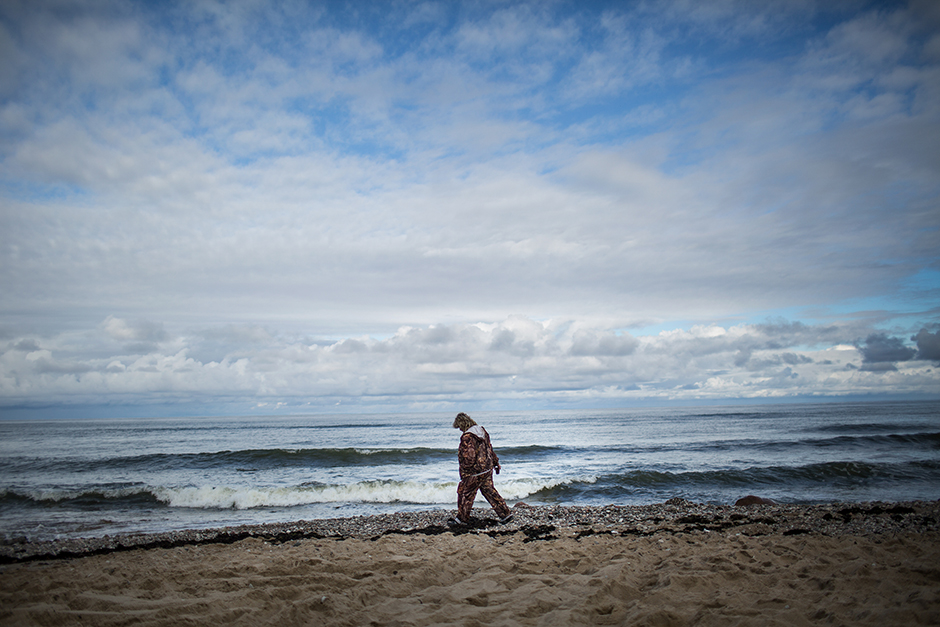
(478, 431)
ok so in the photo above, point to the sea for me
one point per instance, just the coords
(87, 477)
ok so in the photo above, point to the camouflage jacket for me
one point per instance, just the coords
(476, 454)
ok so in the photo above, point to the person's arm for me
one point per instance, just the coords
(493, 456)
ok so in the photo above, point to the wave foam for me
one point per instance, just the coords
(249, 497)
(221, 497)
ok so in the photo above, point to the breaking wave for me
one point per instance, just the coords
(249, 497)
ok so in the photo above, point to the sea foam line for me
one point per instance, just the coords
(226, 497)
(247, 496)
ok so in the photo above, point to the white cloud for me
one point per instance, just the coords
(318, 175)
(515, 359)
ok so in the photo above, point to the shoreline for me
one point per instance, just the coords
(675, 516)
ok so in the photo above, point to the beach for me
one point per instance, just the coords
(675, 563)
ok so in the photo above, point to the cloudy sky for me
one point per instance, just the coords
(257, 207)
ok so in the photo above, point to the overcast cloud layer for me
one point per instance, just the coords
(212, 207)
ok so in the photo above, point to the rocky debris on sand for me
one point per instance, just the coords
(750, 499)
(534, 523)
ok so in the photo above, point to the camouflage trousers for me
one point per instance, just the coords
(467, 493)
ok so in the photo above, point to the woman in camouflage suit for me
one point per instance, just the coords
(477, 460)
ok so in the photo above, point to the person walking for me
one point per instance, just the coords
(477, 461)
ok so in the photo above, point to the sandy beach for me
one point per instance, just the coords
(677, 563)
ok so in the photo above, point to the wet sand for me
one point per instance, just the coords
(670, 564)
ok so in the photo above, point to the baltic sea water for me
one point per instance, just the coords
(70, 478)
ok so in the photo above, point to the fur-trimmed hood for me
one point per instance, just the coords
(478, 431)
